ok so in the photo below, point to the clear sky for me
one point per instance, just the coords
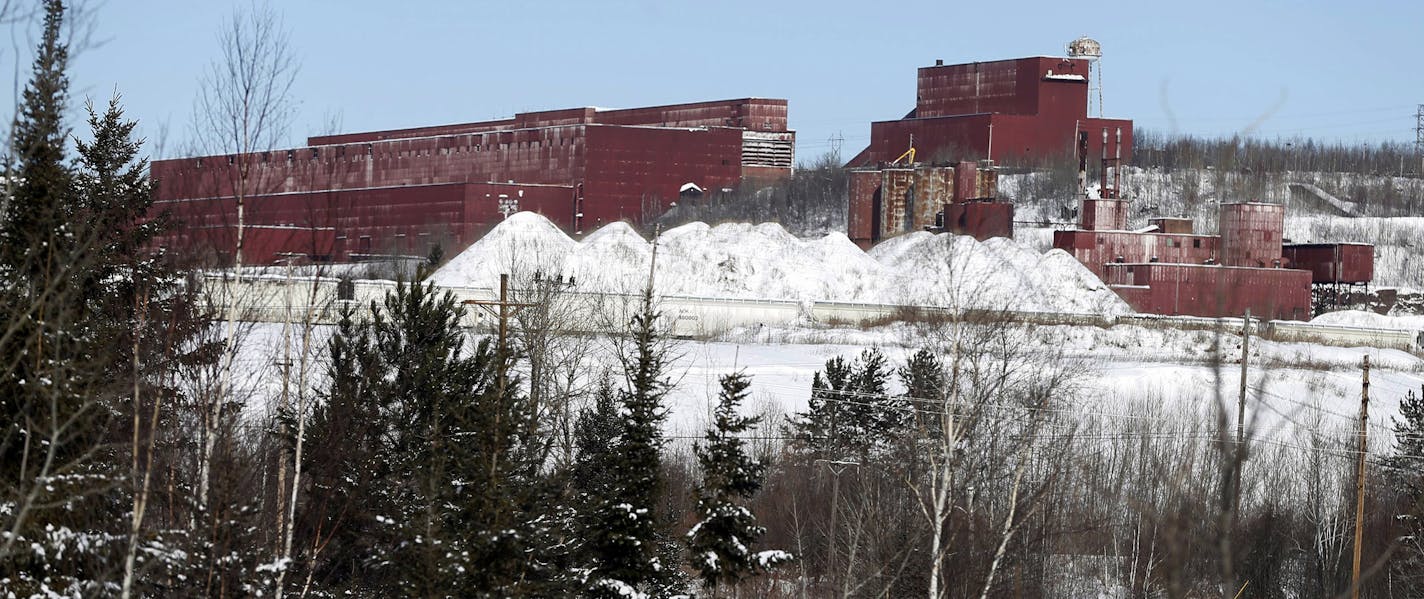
(1329, 70)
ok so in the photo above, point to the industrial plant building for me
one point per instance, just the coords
(1035, 110)
(893, 199)
(403, 192)
(1024, 111)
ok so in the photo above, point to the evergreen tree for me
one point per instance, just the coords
(434, 484)
(35, 236)
(720, 544)
(924, 379)
(94, 324)
(1405, 471)
(626, 530)
(850, 414)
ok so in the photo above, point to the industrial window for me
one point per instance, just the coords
(1196, 243)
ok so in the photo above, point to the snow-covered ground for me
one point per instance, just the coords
(1127, 371)
(765, 262)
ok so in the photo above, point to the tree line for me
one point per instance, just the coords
(405, 455)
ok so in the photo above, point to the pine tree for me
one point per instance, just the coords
(35, 236)
(1405, 471)
(924, 379)
(58, 472)
(434, 484)
(627, 532)
(850, 414)
(720, 544)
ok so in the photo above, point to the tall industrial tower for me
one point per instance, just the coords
(1089, 49)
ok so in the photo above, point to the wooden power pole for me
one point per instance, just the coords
(1360, 480)
(1241, 412)
(502, 310)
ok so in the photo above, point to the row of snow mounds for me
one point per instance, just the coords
(958, 271)
(764, 261)
(1370, 320)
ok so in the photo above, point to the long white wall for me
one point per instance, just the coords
(281, 299)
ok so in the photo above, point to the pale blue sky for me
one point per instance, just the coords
(1329, 70)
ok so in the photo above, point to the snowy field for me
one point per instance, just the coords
(1126, 371)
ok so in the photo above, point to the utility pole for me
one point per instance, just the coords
(1241, 409)
(1360, 480)
(501, 310)
(653, 262)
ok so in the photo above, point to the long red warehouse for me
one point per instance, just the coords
(382, 191)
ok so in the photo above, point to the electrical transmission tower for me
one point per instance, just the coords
(1419, 137)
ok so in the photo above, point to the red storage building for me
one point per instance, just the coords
(1212, 290)
(1198, 275)
(403, 191)
(1019, 111)
(1346, 263)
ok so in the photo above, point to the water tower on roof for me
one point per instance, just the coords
(1089, 49)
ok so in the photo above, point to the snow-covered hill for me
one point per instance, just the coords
(763, 261)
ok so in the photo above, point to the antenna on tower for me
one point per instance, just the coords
(1089, 49)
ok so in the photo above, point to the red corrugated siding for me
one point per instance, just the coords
(1097, 248)
(863, 185)
(1251, 234)
(761, 114)
(398, 220)
(1034, 117)
(635, 172)
(981, 220)
(1216, 291)
(1336, 262)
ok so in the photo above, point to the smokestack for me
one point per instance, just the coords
(1117, 165)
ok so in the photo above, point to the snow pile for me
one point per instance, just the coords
(958, 271)
(1361, 318)
(524, 244)
(764, 261)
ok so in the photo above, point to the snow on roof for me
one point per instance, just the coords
(764, 261)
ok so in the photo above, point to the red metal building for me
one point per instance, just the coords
(892, 200)
(1332, 263)
(1179, 272)
(402, 191)
(1019, 111)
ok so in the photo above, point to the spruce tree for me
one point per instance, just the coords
(720, 544)
(35, 237)
(924, 379)
(1405, 472)
(850, 414)
(434, 485)
(627, 530)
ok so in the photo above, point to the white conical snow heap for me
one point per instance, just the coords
(740, 260)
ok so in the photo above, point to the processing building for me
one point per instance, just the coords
(406, 191)
(1167, 268)
(1024, 111)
